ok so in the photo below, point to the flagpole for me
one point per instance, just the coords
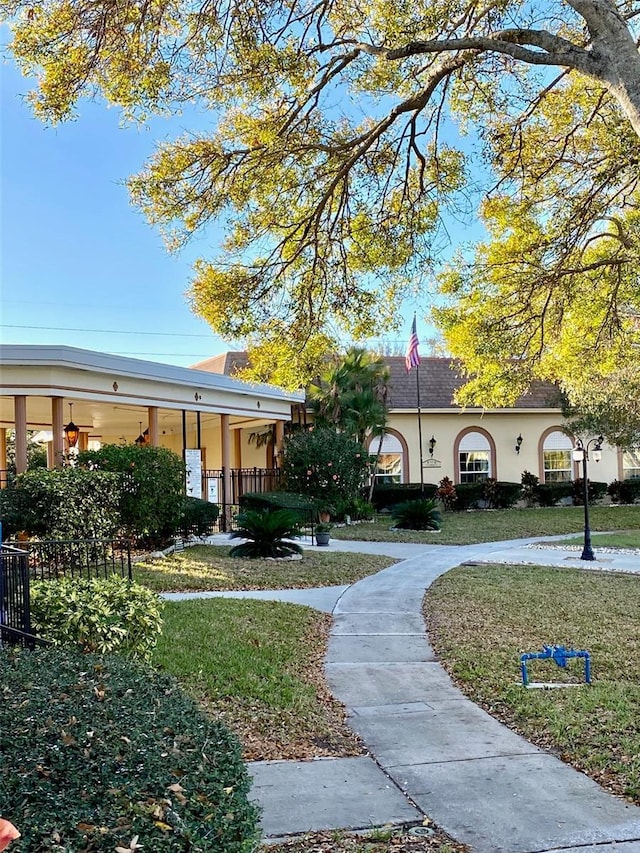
(420, 430)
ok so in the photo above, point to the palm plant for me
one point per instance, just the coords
(422, 514)
(266, 530)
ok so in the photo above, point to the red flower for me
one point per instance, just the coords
(8, 833)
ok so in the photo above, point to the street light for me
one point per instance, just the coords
(581, 454)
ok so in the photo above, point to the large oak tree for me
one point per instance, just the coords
(330, 159)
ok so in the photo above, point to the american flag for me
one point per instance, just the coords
(412, 356)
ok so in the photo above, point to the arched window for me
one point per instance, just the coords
(390, 461)
(556, 457)
(474, 458)
(631, 463)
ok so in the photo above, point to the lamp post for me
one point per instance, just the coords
(581, 454)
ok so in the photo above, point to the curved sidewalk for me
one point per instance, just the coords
(434, 752)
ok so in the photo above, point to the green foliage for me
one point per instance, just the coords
(358, 509)
(625, 491)
(351, 395)
(64, 503)
(303, 505)
(549, 494)
(468, 495)
(499, 494)
(332, 215)
(198, 517)
(323, 527)
(98, 750)
(151, 501)
(325, 464)
(417, 515)
(530, 485)
(266, 531)
(98, 615)
(388, 494)
(596, 491)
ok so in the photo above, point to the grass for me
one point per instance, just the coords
(259, 666)
(467, 528)
(481, 618)
(623, 539)
(209, 567)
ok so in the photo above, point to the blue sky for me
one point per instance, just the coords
(79, 265)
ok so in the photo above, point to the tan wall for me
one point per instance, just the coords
(503, 428)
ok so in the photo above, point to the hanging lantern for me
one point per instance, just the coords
(71, 431)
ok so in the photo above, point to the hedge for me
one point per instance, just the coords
(97, 750)
(387, 496)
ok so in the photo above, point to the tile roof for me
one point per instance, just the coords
(438, 377)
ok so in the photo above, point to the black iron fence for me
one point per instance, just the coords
(79, 558)
(241, 480)
(15, 611)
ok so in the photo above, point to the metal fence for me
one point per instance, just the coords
(15, 612)
(242, 480)
(79, 558)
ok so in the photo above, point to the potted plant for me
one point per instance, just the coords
(324, 512)
(323, 533)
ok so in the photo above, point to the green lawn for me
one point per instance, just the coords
(620, 539)
(466, 528)
(209, 567)
(482, 618)
(259, 665)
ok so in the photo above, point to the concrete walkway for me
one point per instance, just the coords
(432, 751)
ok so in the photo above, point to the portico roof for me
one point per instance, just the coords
(112, 393)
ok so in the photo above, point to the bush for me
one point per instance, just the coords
(325, 464)
(468, 495)
(385, 496)
(99, 615)
(529, 483)
(624, 491)
(446, 493)
(501, 495)
(422, 514)
(266, 529)
(549, 494)
(65, 503)
(198, 517)
(98, 750)
(153, 486)
(596, 491)
(358, 509)
(303, 505)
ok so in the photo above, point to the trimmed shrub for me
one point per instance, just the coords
(65, 503)
(624, 491)
(549, 494)
(266, 529)
(304, 505)
(198, 517)
(153, 486)
(422, 514)
(99, 750)
(98, 615)
(501, 495)
(386, 496)
(596, 491)
(468, 495)
(325, 464)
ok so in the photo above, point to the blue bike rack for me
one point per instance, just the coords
(559, 655)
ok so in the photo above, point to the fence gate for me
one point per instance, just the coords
(15, 615)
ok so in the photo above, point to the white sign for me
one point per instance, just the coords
(193, 461)
(432, 463)
(212, 490)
